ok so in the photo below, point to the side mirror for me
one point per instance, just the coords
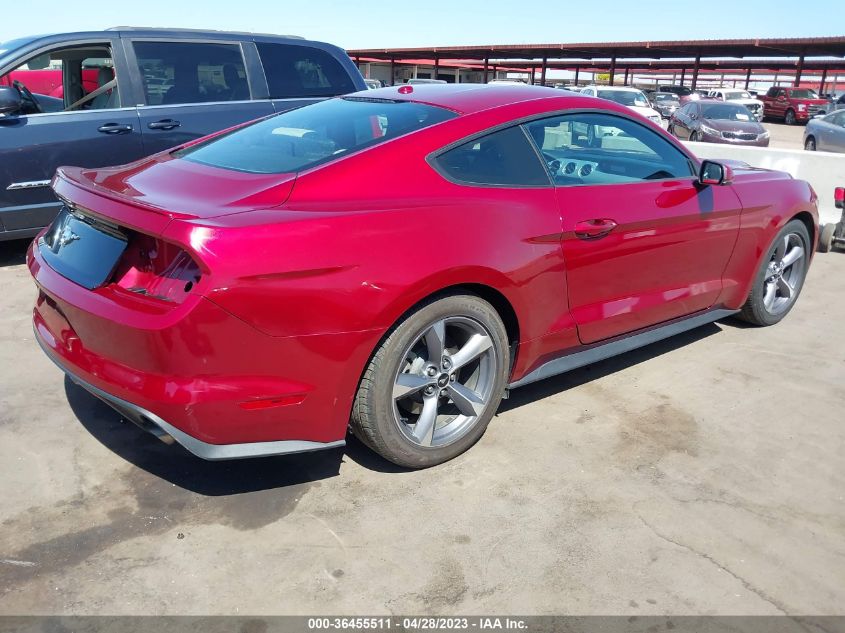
(713, 173)
(10, 100)
(839, 197)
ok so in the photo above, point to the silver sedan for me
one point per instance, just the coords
(826, 133)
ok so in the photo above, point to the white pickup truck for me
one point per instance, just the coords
(735, 95)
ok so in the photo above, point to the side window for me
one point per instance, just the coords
(188, 72)
(74, 79)
(303, 71)
(773, 92)
(503, 158)
(600, 149)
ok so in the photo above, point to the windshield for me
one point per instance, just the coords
(804, 93)
(666, 97)
(305, 137)
(726, 111)
(625, 97)
(738, 94)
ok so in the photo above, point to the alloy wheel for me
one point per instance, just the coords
(444, 382)
(784, 274)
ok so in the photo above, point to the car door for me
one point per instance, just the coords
(779, 105)
(88, 132)
(833, 133)
(643, 242)
(190, 88)
(683, 121)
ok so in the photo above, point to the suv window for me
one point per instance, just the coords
(303, 71)
(188, 72)
(505, 158)
(594, 149)
(63, 79)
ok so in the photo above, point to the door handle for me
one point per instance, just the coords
(164, 124)
(114, 128)
(594, 229)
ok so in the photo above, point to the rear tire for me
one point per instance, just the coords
(434, 383)
(810, 144)
(694, 137)
(780, 276)
(826, 237)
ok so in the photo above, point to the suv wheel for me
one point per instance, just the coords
(780, 277)
(435, 382)
(789, 119)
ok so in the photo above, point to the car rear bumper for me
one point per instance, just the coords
(166, 432)
(199, 375)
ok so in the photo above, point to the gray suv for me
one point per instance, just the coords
(110, 97)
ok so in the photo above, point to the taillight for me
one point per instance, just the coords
(839, 197)
(158, 269)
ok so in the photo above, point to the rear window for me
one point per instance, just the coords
(303, 71)
(318, 133)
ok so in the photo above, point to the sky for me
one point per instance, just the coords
(385, 24)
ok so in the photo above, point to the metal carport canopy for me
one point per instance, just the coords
(624, 55)
(772, 47)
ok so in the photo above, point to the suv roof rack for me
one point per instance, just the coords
(173, 30)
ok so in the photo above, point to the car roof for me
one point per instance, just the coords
(468, 98)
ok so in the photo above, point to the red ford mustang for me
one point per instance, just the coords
(395, 261)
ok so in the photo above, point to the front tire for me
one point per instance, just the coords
(789, 118)
(434, 383)
(694, 137)
(780, 277)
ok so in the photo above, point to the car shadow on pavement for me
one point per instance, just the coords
(177, 466)
(556, 384)
(13, 252)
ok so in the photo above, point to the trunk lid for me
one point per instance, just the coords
(177, 189)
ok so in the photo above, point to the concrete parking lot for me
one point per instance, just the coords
(785, 136)
(701, 475)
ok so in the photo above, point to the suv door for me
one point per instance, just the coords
(190, 88)
(67, 128)
(643, 243)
